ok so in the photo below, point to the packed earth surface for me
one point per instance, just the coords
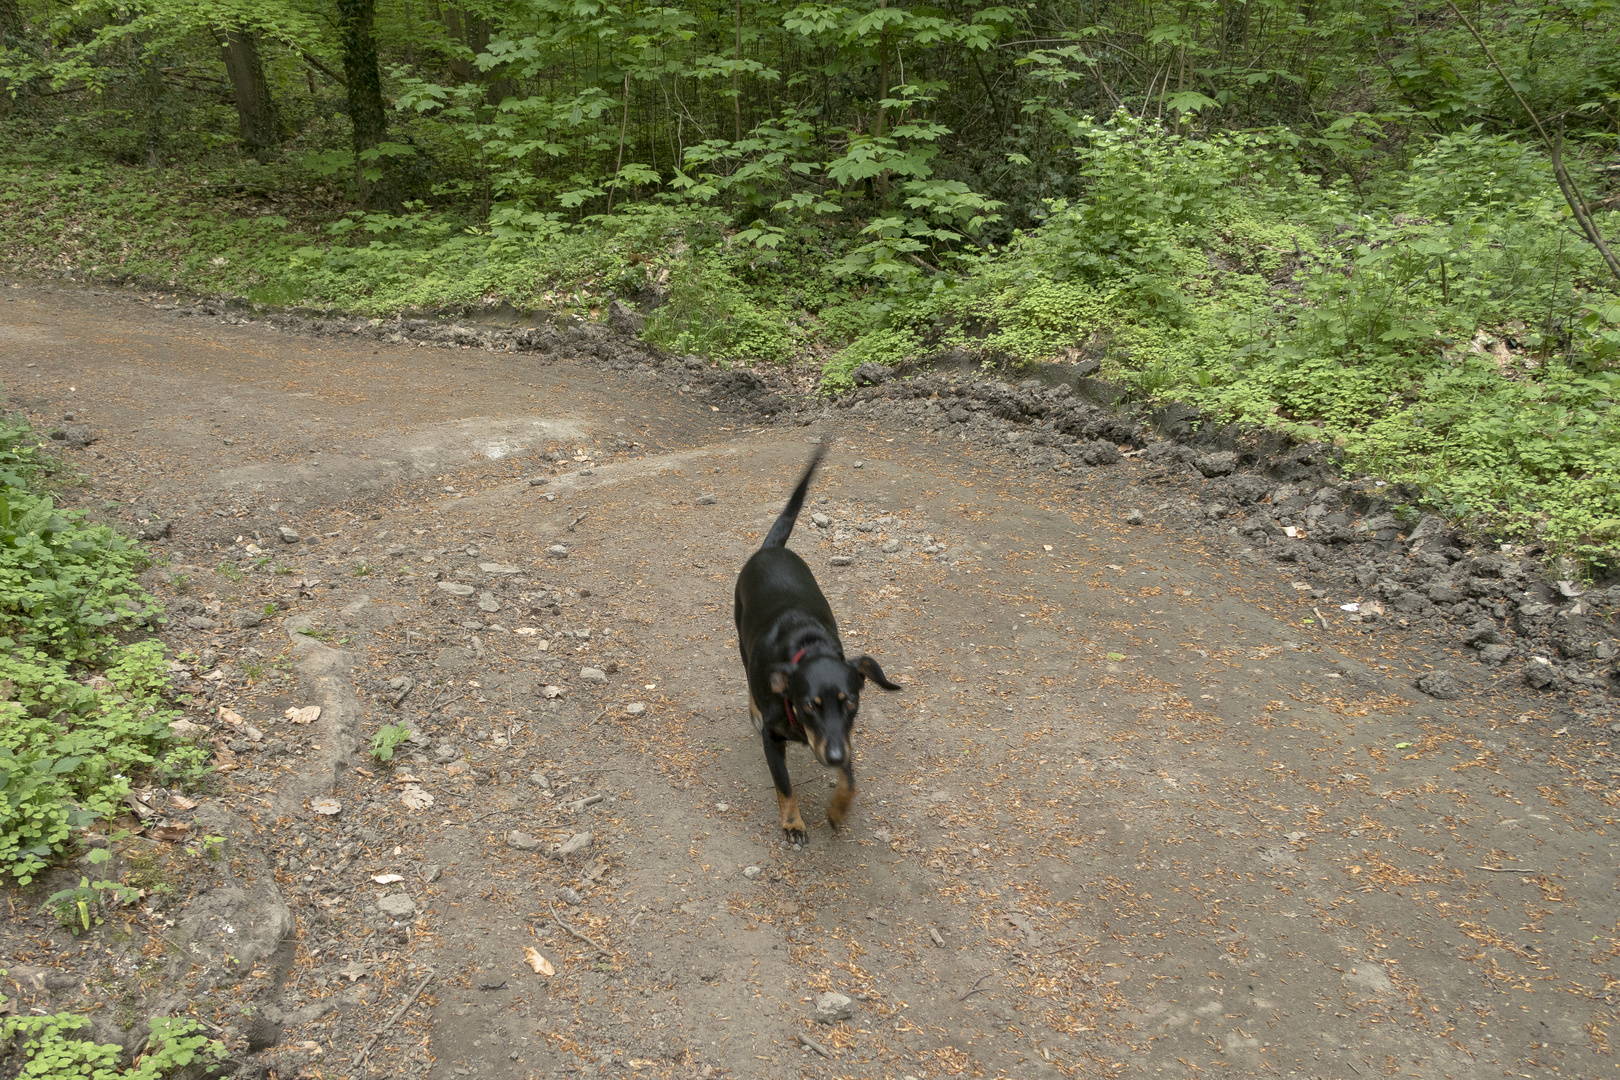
(1207, 759)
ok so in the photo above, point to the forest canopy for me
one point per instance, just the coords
(1384, 225)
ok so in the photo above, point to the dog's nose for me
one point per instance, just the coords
(835, 754)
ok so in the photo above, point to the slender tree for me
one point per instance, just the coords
(367, 115)
(255, 109)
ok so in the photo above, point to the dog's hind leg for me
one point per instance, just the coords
(838, 805)
(792, 822)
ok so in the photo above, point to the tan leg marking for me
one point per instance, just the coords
(755, 715)
(792, 823)
(838, 805)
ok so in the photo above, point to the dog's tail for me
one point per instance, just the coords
(778, 536)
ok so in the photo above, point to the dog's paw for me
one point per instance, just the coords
(796, 837)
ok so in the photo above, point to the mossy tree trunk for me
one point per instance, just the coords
(255, 109)
(367, 114)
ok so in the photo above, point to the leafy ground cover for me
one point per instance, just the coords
(1444, 326)
(84, 714)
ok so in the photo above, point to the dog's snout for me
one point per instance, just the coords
(836, 753)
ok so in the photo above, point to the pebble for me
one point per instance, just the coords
(398, 682)
(707, 500)
(557, 551)
(394, 550)
(487, 602)
(752, 872)
(455, 588)
(397, 905)
(841, 560)
(570, 896)
(1440, 684)
(537, 481)
(891, 546)
(635, 708)
(1134, 518)
(821, 521)
(432, 872)
(593, 674)
(832, 1008)
(246, 620)
(522, 841)
(575, 844)
(859, 465)
(288, 534)
(199, 622)
(497, 568)
(540, 780)
(551, 693)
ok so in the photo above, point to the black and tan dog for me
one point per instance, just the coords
(800, 687)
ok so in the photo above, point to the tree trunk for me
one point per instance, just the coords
(255, 110)
(11, 20)
(470, 30)
(364, 88)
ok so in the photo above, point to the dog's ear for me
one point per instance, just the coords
(779, 680)
(869, 669)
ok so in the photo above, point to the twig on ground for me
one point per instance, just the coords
(394, 1019)
(817, 1047)
(561, 925)
(977, 989)
(1509, 869)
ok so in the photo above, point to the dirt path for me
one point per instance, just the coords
(1136, 811)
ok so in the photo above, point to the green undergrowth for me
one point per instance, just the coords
(49, 1047)
(83, 714)
(1442, 323)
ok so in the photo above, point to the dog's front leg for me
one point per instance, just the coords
(776, 758)
(838, 805)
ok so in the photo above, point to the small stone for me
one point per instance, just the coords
(1440, 684)
(497, 568)
(522, 841)
(288, 534)
(538, 481)
(1495, 654)
(820, 521)
(1221, 463)
(832, 1008)
(635, 708)
(200, 622)
(487, 602)
(891, 546)
(841, 560)
(707, 500)
(752, 872)
(1539, 676)
(570, 896)
(575, 844)
(456, 588)
(593, 674)
(397, 905)
(625, 319)
(611, 667)
(557, 551)
(394, 551)
(445, 752)
(246, 620)
(859, 465)
(540, 780)
(551, 693)
(432, 872)
(1134, 518)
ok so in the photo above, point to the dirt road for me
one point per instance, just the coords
(1146, 805)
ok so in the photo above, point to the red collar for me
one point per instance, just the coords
(787, 702)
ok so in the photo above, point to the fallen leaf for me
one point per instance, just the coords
(325, 806)
(551, 692)
(172, 833)
(1116, 656)
(415, 798)
(540, 964)
(231, 716)
(180, 802)
(525, 630)
(307, 715)
(354, 969)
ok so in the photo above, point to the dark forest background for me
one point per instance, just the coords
(1381, 224)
